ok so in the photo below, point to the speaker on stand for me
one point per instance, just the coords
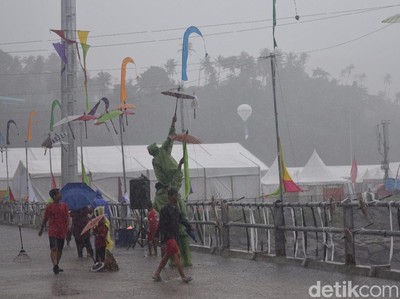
(139, 201)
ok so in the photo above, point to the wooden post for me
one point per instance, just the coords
(279, 234)
(348, 223)
(224, 228)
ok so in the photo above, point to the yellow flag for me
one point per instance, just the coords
(83, 35)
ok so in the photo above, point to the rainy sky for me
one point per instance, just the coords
(335, 33)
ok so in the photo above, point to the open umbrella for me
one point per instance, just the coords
(92, 223)
(77, 195)
(178, 94)
(185, 138)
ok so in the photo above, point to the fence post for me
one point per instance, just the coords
(279, 234)
(348, 224)
(224, 228)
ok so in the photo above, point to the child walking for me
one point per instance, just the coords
(100, 233)
(152, 226)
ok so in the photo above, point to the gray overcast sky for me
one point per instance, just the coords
(239, 26)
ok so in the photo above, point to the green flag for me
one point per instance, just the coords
(53, 106)
(186, 171)
(85, 178)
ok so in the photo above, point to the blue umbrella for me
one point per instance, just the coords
(77, 195)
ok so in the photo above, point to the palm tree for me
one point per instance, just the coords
(263, 66)
(208, 67)
(387, 81)
(346, 72)
(170, 67)
(219, 62)
(104, 82)
(360, 78)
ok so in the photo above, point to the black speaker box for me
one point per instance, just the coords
(139, 193)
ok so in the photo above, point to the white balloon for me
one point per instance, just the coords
(244, 111)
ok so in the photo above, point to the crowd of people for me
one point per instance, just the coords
(170, 231)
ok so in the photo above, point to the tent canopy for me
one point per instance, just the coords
(222, 170)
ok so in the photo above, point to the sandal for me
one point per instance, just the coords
(187, 279)
(156, 278)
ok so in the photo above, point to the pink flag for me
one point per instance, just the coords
(353, 172)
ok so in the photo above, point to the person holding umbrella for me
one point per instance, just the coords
(169, 175)
(57, 214)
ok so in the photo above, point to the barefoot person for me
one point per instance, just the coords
(168, 230)
(57, 215)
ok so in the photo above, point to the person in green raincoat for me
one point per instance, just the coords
(169, 175)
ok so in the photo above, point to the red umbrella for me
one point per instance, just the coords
(185, 138)
(92, 223)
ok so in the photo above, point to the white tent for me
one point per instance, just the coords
(315, 172)
(222, 170)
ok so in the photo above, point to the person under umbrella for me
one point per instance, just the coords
(80, 218)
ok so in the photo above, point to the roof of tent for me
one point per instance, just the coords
(316, 172)
(209, 160)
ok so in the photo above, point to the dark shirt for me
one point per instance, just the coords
(168, 225)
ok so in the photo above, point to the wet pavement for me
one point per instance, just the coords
(214, 276)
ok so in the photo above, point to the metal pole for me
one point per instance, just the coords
(8, 183)
(385, 162)
(27, 170)
(279, 217)
(122, 150)
(69, 167)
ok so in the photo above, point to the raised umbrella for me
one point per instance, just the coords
(77, 195)
(178, 94)
(185, 138)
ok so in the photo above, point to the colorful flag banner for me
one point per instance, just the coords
(288, 184)
(274, 22)
(31, 115)
(53, 106)
(123, 95)
(186, 170)
(8, 129)
(185, 48)
(85, 177)
(61, 51)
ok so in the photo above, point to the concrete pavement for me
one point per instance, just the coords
(214, 276)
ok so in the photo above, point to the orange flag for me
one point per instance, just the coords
(32, 114)
(123, 95)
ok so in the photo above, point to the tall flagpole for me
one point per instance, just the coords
(280, 249)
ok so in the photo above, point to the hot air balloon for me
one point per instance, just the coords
(244, 111)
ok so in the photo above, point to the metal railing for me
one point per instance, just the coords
(326, 231)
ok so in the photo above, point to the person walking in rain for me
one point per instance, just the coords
(57, 215)
(169, 175)
(152, 226)
(168, 230)
(80, 218)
